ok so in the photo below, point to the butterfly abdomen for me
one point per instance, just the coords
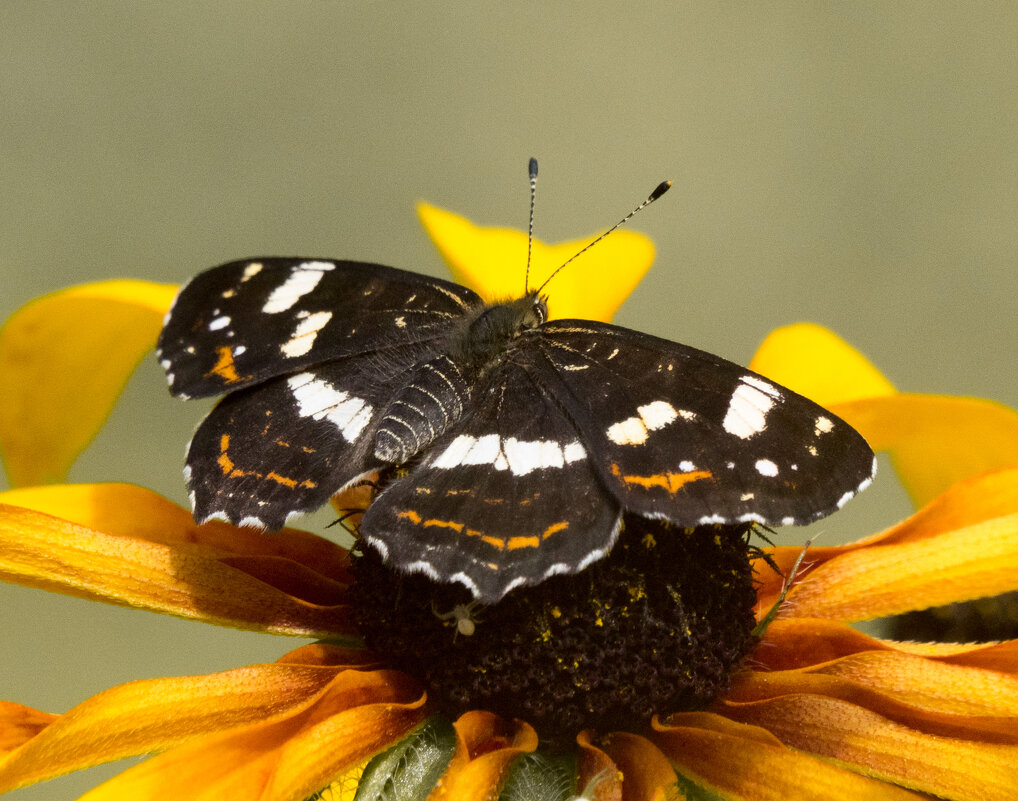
(423, 410)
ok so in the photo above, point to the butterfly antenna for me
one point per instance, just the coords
(662, 187)
(530, 228)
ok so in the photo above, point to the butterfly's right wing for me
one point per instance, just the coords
(247, 321)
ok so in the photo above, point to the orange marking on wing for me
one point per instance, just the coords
(523, 542)
(668, 481)
(286, 482)
(225, 368)
(554, 528)
(225, 463)
(494, 542)
(444, 524)
(410, 515)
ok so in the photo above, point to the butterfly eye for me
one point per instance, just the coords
(540, 310)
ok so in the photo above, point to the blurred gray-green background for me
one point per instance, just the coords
(853, 164)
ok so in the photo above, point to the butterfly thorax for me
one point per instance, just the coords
(486, 338)
(436, 393)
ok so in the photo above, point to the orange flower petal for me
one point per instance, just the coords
(65, 358)
(801, 642)
(819, 364)
(645, 770)
(936, 441)
(128, 510)
(971, 562)
(151, 715)
(599, 778)
(744, 762)
(936, 698)
(976, 500)
(191, 581)
(19, 724)
(850, 735)
(493, 261)
(359, 714)
(487, 745)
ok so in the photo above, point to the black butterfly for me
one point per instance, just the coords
(525, 438)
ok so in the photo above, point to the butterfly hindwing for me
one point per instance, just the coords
(681, 434)
(285, 446)
(246, 321)
(504, 498)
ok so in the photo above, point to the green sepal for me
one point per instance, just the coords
(409, 770)
(540, 777)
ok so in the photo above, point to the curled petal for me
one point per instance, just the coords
(803, 642)
(151, 715)
(19, 724)
(928, 696)
(486, 748)
(646, 772)
(746, 762)
(492, 261)
(599, 777)
(65, 358)
(183, 579)
(849, 735)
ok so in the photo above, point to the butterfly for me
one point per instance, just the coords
(519, 440)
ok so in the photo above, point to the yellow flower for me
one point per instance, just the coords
(818, 710)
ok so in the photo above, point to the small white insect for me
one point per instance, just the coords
(463, 615)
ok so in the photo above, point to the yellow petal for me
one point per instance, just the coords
(802, 642)
(65, 358)
(929, 696)
(144, 716)
(971, 562)
(936, 440)
(846, 734)
(819, 364)
(184, 579)
(975, 500)
(357, 715)
(492, 261)
(19, 724)
(743, 762)
(128, 510)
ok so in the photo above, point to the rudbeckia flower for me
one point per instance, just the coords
(795, 704)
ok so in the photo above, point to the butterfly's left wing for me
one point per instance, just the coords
(680, 434)
(506, 497)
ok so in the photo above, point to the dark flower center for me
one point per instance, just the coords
(658, 626)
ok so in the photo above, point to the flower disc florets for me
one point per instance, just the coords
(655, 627)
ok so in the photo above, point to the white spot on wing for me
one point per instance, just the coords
(630, 431)
(766, 467)
(320, 400)
(823, 425)
(303, 279)
(748, 407)
(303, 337)
(218, 323)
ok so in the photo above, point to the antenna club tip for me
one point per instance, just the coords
(532, 168)
(662, 187)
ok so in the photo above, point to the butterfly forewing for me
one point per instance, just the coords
(681, 434)
(507, 497)
(241, 323)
